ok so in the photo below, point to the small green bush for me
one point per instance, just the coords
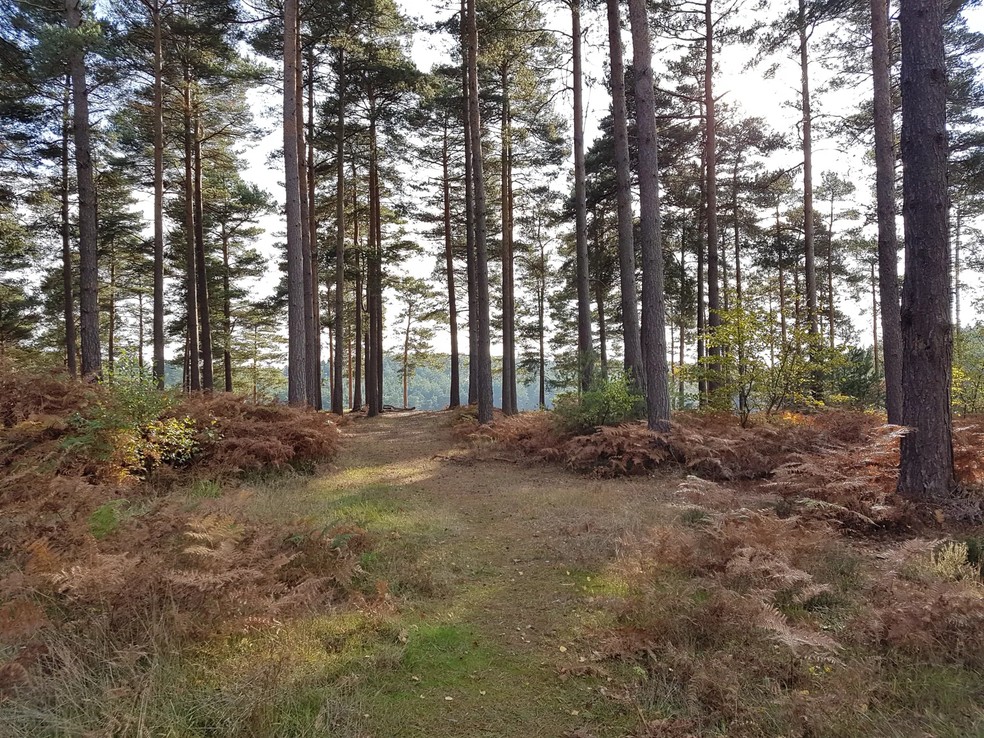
(608, 402)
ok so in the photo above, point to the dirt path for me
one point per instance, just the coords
(494, 570)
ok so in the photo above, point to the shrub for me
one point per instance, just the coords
(608, 402)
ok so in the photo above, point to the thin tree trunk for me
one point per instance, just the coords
(226, 312)
(831, 307)
(626, 247)
(874, 321)
(469, 217)
(68, 300)
(297, 391)
(584, 352)
(926, 454)
(312, 379)
(710, 162)
(808, 241)
(315, 358)
(201, 275)
(85, 182)
(508, 299)
(191, 282)
(888, 248)
(111, 347)
(158, 114)
(455, 393)
(483, 372)
(357, 401)
(336, 384)
(653, 311)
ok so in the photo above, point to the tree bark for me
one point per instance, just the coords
(584, 348)
(336, 382)
(158, 113)
(888, 247)
(297, 393)
(808, 240)
(454, 399)
(68, 300)
(226, 313)
(508, 292)
(312, 220)
(359, 319)
(201, 273)
(926, 461)
(483, 371)
(653, 310)
(312, 337)
(626, 247)
(191, 282)
(710, 195)
(85, 182)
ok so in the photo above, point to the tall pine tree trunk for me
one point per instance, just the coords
(807, 122)
(191, 283)
(158, 114)
(710, 193)
(359, 318)
(926, 468)
(653, 310)
(509, 405)
(455, 393)
(68, 300)
(336, 382)
(888, 247)
(88, 248)
(297, 393)
(469, 217)
(312, 227)
(226, 313)
(626, 247)
(312, 336)
(201, 273)
(584, 349)
(483, 371)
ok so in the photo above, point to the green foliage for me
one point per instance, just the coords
(968, 371)
(608, 402)
(125, 426)
(108, 517)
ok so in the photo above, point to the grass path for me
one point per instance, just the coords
(493, 571)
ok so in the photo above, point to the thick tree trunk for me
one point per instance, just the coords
(626, 247)
(336, 383)
(201, 274)
(926, 468)
(68, 300)
(653, 311)
(85, 182)
(455, 393)
(584, 352)
(888, 247)
(191, 282)
(297, 391)
(158, 113)
(483, 371)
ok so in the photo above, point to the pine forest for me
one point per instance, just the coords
(552, 368)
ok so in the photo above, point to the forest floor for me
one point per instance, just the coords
(499, 595)
(492, 568)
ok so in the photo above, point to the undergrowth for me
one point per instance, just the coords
(752, 625)
(837, 465)
(121, 518)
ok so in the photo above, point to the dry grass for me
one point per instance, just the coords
(87, 534)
